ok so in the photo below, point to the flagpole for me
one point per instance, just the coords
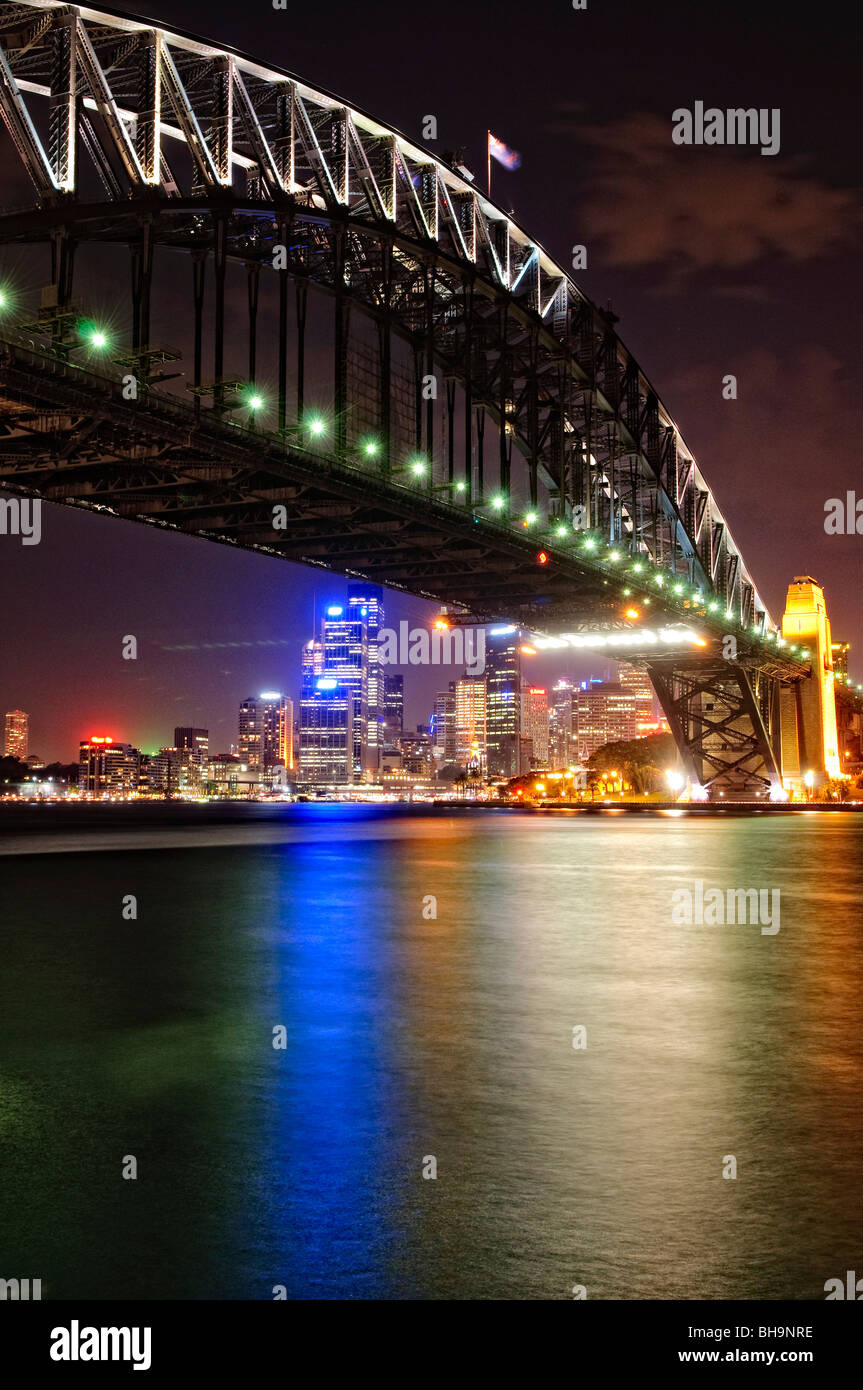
(488, 159)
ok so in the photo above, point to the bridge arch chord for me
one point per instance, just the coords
(135, 133)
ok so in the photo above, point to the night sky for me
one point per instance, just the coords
(717, 260)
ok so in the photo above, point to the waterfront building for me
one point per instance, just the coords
(365, 604)
(442, 727)
(107, 767)
(266, 730)
(346, 656)
(193, 747)
(503, 701)
(636, 680)
(416, 754)
(563, 726)
(16, 743)
(394, 710)
(534, 721)
(607, 713)
(470, 723)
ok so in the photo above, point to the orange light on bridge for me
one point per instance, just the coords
(632, 613)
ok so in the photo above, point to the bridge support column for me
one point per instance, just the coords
(142, 281)
(199, 268)
(283, 332)
(221, 264)
(302, 296)
(385, 348)
(719, 717)
(468, 391)
(505, 447)
(480, 452)
(253, 286)
(429, 361)
(341, 330)
(450, 433)
(814, 706)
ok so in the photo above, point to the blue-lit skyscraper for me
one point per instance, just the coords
(365, 602)
(334, 713)
(324, 722)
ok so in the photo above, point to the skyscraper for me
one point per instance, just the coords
(563, 726)
(394, 710)
(471, 722)
(346, 655)
(534, 720)
(365, 602)
(637, 682)
(606, 714)
(335, 723)
(286, 733)
(323, 722)
(503, 700)
(326, 725)
(442, 727)
(262, 730)
(17, 737)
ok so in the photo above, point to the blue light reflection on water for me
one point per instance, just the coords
(408, 1036)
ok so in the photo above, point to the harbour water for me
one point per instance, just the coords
(428, 968)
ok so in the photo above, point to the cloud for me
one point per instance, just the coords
(651, 202)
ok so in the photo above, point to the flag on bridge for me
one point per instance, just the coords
(510, 159)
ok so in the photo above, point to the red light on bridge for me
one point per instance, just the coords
(542, 558)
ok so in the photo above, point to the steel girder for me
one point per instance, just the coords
(225, 155)
(725, 721)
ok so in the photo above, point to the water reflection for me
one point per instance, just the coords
(412, 1035)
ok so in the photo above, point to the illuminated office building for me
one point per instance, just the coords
(107, 767)
(334, 709)
(193, 747)
(534, 721)
(503, 701)
(263, 731)
(606, 714)
(442, 727)
(346, 656)
(563, 726)
(365, 604)
(17, 735)
(394, 710)
(470, 723)
(840, 652)
(637, 682)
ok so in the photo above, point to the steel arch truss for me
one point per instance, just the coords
(725, 721)
(134, 133)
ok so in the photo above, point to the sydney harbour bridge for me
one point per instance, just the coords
(264, 317)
